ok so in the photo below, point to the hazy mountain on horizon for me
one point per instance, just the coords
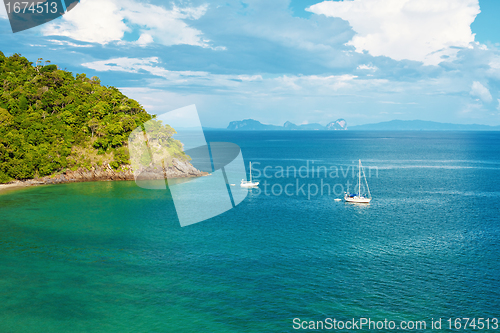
(255, 125)
(341, 124)
(421, 125)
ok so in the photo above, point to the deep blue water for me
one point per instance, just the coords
(111, 257)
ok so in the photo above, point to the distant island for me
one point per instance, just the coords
(254, 125)
(421, 125)
(341, 124)
(56, 127)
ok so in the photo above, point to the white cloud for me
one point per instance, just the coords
(250, 77)
(166, 26)
(472, 110)
(104, 21)
(494, 70)
(91, 21)
(481, 91)
(495, 63)
(420, 30)
(64, 42)
(136, 65)
(276, 85)
(498, 107)
(398, 103)
(145, 39)
(308, 92)
(367, 67)
(173, 78)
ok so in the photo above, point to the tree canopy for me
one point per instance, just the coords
(51, 120)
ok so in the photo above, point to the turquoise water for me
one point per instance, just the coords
(111, 257)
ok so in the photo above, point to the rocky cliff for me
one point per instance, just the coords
(179, 169)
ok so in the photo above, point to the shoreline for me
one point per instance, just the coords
(105, 173)
(20, 184)
(9, 187)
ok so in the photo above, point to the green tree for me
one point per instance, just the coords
(48, 116)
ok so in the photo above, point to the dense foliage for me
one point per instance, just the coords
(51, 120)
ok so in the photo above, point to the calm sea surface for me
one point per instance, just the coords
(112, 257)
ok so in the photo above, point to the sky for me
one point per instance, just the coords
(302, 61)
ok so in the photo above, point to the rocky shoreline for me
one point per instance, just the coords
(179, 169)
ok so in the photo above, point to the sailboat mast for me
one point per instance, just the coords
(250, 172)
(366, 182)
(359, 180)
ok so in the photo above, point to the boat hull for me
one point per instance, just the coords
(254, 184)
(358, 200)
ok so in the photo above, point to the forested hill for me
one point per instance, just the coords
(51, 120)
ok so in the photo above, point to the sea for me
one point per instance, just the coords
(112, 256)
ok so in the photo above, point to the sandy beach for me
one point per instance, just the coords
(10, 187)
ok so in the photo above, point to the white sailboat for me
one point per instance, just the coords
(358, 197)
(250, 183)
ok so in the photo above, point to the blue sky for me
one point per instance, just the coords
(299, 60)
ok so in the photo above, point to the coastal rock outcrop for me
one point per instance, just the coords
(178, 169)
